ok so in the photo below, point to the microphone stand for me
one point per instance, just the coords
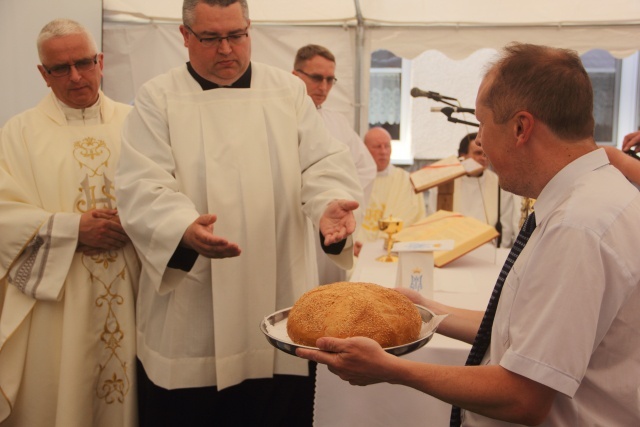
(439, 99)
(454, 120)
(449, 118)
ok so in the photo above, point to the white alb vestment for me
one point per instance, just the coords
(67, 323)
(328, 271)
(477, 197)
(340, 129)
(392, 195)
(261, 160)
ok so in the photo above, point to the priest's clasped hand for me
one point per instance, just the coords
(100, 231)
(199, 236)
(337, 222)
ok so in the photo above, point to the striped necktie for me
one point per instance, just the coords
(483, 337)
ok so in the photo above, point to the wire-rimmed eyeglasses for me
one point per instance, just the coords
(62, 70)
(317, 78)
(232, 39)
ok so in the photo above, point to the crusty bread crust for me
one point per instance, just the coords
(349, 309)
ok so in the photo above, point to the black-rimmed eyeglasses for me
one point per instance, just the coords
(317, 78)
(232, 39)
(62, 70)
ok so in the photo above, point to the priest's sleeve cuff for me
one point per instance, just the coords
(334, 248)
(183, 259)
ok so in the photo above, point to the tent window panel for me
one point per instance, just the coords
(385, 92)
(385, 107)
(603, 106)
(604, 71)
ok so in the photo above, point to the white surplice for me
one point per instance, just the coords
(261, 160)
(67, 332)
(339, 128)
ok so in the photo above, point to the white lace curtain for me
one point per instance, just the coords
(384, 98)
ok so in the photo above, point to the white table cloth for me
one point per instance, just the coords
(466, 282)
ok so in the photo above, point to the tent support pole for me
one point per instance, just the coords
(358, 78)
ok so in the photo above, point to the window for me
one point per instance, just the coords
(384, 92)
(389, 101)
(604, 71)
(616, 87)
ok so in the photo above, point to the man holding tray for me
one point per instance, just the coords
(559, 342)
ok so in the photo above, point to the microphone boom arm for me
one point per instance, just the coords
(464, 122)
(444, 102)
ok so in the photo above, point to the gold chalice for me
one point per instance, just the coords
(390, 226)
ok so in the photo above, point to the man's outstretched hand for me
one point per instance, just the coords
(338, 222)
(200, 237)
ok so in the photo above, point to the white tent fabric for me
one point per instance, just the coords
(458, 28)
(141, 38)
(21, 85)
(136, 52)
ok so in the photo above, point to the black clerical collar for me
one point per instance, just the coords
(244, 82)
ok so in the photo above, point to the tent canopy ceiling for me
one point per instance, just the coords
(456, 28)
(141, 40)
(458, 13)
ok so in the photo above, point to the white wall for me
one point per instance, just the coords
(433, 137)
(21, 85)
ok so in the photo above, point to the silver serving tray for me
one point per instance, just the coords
(274, 329)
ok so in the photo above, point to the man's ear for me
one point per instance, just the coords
(185, 35)
(523, 126)
(44, 74)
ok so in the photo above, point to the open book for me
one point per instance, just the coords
(467, 233)
(442, 171)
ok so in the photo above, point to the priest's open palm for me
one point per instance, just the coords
(200, 237)
(338, 222)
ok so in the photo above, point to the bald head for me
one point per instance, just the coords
(378, 141)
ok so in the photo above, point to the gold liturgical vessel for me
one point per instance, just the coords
(390, 226)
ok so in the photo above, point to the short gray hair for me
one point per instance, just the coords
(310, 51)
(188, 7)
(60, 28)
(548, 82)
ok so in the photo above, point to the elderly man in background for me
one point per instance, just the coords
(392, 194)
(316, 66)
(224, 160)
(558, 344)
(69, 274)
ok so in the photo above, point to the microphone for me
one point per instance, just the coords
(448, 110)
(415, 92)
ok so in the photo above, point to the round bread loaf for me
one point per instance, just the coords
(349, 309)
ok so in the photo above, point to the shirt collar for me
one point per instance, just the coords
(555, 192)
(244, 82)
(81, 114)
